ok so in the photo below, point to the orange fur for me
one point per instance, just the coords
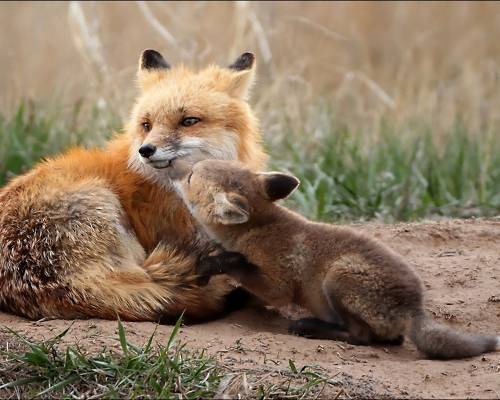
(96, 233)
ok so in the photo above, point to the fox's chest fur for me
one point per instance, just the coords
(156, 214)
(151, 209)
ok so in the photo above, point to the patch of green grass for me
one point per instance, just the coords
(405, 174)
(313, 383)
(45, 369)
(34, 132)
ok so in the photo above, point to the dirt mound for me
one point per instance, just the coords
(459, 262)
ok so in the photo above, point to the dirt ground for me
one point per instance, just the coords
(459, 262)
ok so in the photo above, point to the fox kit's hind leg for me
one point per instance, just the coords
(372, 314)
(315, 328)
(353, 293)
(353, 331)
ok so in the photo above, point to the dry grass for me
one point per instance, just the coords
(372, 62)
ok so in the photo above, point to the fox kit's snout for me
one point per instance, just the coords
(180, 169)
(358, 289)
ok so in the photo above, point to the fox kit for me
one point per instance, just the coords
(358, 290)
(100, 232)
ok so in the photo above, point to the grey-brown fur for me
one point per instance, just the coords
(359, 290)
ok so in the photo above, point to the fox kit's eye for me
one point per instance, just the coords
(189, 121)
(146, 126)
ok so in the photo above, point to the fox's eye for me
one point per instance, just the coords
(146, 126)
(190, 121)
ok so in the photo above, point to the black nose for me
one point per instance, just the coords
(147, 150)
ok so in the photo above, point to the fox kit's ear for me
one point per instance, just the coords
(243, 76)
(151, 67)
(231, 208)
(277, 185)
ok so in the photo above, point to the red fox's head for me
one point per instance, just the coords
(193, 115)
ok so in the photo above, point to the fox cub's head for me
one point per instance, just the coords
(193, 115)
(227, 192)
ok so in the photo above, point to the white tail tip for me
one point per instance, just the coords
(498, 343)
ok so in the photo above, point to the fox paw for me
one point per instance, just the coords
(222, 263)
(206, 268)
(302, 327)
(312, 328)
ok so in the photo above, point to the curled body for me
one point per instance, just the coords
(358, 289)
(101, 232)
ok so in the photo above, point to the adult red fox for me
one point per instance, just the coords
(358, 290)
(101, 233)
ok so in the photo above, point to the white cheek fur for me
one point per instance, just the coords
(221, 145)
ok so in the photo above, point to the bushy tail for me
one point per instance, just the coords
(443, 342)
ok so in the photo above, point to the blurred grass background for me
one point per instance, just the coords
(385, 111)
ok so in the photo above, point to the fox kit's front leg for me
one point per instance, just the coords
(249, 275)
(228, 262)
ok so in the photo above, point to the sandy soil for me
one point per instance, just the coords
(459, 262)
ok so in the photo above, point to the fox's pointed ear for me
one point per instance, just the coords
(243, 76)
(152, 65)
(277, 185)
(231, 208)
(151, 59)
(243, 62)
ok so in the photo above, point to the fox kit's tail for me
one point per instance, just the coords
(443, 342)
